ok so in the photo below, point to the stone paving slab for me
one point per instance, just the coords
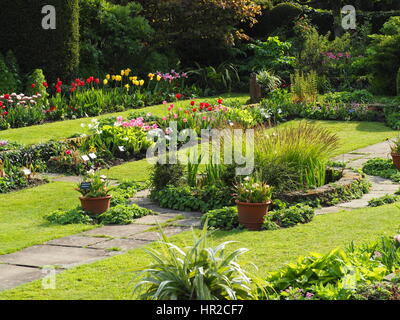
(155, 235)
(189, 223)
(154, 219)
(123, 244)
(12, 276)
(44, 255)
(75, 241)
(117, 231)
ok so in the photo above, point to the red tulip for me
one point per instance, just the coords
(58, 89)
(178, 96)
(219, 101)
(192, 103)
(6, 96)
(209, 108)
(33, 85)
(194, 109)
(45, 84)
(97, 80)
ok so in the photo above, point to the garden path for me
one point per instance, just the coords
(35, 262)
(380, 186)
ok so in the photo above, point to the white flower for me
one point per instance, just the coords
(83, 125)
(247, 179)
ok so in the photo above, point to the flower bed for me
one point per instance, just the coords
(89, 97)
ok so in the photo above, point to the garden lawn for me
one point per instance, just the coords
(64, 129)
(352, 135)
(269, 250)
(22, 222)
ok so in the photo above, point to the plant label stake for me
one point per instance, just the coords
(121, 148)
(92, 156)
(85, 185)
(85, 158)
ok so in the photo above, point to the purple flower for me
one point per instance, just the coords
(3, 143)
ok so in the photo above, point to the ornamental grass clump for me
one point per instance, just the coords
(197, 272)
(294, 157)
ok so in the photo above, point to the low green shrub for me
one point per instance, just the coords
(288, 217)
(387, 199)
(166, 174)
(123, 214)
(185, 198)
(223, 219)
(383, 168)
(74, 216)
(337, 274)
(378, 291)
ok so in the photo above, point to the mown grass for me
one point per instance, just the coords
(22, 222)
(63, 129)
(269, 250)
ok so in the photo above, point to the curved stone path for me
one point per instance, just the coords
(30, 264)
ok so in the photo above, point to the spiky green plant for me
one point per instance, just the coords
(302, 152)
(197, 272)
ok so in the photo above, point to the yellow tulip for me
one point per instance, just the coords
(141, 82)
(135, 82)
(108, 77)
(158, 78)
(113, 77)
(105, 81)
(127, 86)
(134, 78)
(122, 72)
(118, 78)
(131, 78)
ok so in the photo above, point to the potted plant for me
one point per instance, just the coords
(253, 200)
(396, 153)
(95, 198)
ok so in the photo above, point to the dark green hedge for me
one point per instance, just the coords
(54, 51)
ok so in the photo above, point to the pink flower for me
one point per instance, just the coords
(120, 119)
(175, 116)
(184, 120)
(68, 152)
(164, 102)
(164, 118)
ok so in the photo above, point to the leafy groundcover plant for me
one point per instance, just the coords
(283, 217)
(383, 168)
(197, 272)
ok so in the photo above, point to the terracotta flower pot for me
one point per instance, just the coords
(251, 215)
(96, 205)
(396, 160)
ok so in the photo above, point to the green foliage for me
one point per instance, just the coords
(8, 77)
(304, 86)
(98, 186)
(335, 275)
(74, 216)
(398, 82)
(302, 151)
(197, 272)
(378, 291)
(386, 199)
(268, 81)
(123, 214)
(185, 198)
(272, 54)
(356, 96)
(63, 58)
(112, 36)
(383, 57)
(383, 168)
(166, 174)
(223, 219)
(288, 217)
